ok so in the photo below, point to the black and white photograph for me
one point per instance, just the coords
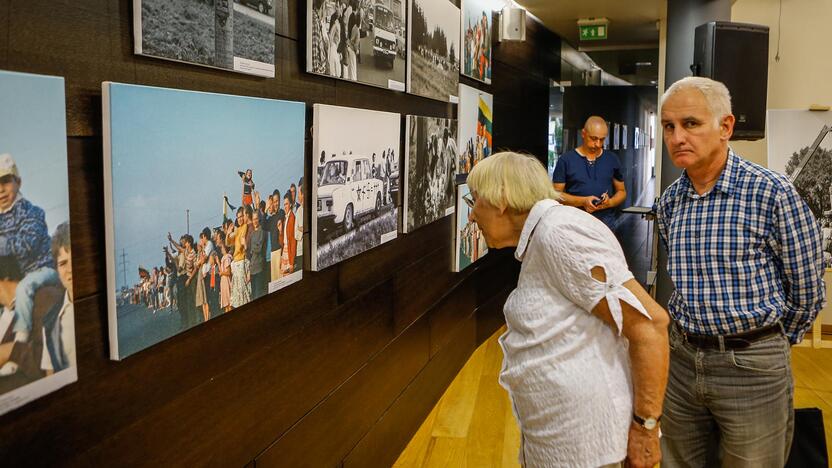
(236, 35)
(356, 159)
(624, 136)
(433, 49)
(616, 137)
(357, 40)
(430, 170)
(791, 135)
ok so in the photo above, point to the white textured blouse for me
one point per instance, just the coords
(568, 372)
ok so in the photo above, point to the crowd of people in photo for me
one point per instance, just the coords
(476, 148)
(384, 168)
(37, 325)
(336, 32)
(229, 265)
(433, 187)
(477, 46)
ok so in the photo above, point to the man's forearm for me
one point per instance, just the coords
(571, 200)
(618, 198)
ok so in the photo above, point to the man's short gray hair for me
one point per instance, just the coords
(716, 94)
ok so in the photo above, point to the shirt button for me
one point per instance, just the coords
(696, 235)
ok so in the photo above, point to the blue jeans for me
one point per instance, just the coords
(24, 296)
(731, 408)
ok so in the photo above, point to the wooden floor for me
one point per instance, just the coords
(472, 424)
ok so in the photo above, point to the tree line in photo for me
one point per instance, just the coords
(433, 45)
(229, 265)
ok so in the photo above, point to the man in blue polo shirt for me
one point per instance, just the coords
(589, 177)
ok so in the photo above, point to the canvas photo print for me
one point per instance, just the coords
(203, 207)
(357, 40)
(356, 158)
(430, 171)
(475, 123)
(433, 50)
(37, 318)
(469, 242)
(236, 35)
(791, 133)
(476, 39)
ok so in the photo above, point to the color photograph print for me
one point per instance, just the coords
(356, 154)
(204, 207)
(236, 35)
(37, 318)
(791, 134)
(429, 178)
(433, 50)
(475, 122)
(469, 242)
(357, 40)
(476, 39)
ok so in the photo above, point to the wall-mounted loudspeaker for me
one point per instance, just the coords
(512, 24)
(736, 54)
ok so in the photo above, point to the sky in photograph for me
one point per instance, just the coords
(360, 131)
(790, 130)
(469, 113)
(444, 14)
(33, 131)
(472, 12)
(174, 151)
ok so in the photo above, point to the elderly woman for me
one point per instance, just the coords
(586, 350)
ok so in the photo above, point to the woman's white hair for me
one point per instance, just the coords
(716, 94)
(511, 180)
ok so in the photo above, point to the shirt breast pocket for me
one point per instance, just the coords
(740, 251)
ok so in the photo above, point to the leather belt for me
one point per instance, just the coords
(735, 341)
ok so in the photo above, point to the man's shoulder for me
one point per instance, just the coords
(753, 175)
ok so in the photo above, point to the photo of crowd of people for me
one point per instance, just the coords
(355, 197)
(791, 134)
(469, 242)
(430, 162)
(357, 40)
(37, 318)
(207, 197)
(476, 40)
(475, 123)
(433, 49)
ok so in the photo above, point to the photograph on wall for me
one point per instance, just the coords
(624, 136)
(357, 40)
(235, 35)
(475, 124)
(469, 242)
(791, 135)
(203, 210)
(37, 319)
(637, 139)
(616, 137)
(476, 39)
(433, 49)
(356, 156)
(607, 138)
(430, 171)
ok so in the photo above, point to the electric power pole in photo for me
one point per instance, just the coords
(187, 221)
(124, 265)
(224, 33)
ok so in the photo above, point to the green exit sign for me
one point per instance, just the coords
(592, 32)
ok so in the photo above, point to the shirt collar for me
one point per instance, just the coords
(535, 215)
(727, 179)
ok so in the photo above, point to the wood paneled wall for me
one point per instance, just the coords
(338, 370)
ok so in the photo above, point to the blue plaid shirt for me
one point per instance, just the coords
(743, 255)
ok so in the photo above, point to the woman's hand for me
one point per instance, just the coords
(643, 447)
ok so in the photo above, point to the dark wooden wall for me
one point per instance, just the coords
(338, 370)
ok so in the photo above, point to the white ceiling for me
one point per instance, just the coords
(632, 22)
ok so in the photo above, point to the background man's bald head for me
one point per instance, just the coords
(595, 122)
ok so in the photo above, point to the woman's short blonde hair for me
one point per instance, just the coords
(511, 180)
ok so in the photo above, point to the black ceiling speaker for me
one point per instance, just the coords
(736, 54)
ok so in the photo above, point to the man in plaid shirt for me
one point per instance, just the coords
(745, 256)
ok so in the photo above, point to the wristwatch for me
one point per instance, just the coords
(648, 423)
